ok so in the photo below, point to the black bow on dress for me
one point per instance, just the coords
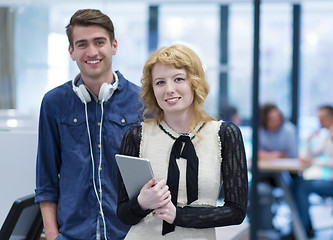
(190, 155)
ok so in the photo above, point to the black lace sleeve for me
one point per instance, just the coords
(129, 210)
(235, 186)
(233, 170)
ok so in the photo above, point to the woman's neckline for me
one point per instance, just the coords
(174, 134)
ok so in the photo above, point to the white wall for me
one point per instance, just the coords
(17, 167)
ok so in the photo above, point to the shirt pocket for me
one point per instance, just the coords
(117, 125)
(73, 130)
(124, 120)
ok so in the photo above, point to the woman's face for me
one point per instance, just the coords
(172, 89)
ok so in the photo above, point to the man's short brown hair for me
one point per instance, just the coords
(88, 17)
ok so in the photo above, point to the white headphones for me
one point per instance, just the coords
(105, 92)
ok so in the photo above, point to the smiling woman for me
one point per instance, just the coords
(174, 60)
(173, 92)
(185, 146)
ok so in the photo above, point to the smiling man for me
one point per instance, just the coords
(81, 126)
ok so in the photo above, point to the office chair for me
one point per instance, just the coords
(24, 220)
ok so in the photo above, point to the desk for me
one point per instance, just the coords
(321, 169)
(283, 167)
(292, 165)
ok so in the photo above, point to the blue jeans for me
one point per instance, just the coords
(303, 188)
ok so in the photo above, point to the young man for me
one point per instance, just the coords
(81, 126)
(303, 188)
(325, 116)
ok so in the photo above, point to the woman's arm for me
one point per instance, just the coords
(128, 210)
(235, 182)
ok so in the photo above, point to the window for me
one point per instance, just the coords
(241, 58)
(194, 25)
(41, 47)
(276, 56)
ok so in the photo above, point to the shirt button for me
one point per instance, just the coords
(100, 212)
(100, 168)
(75, 120)
(100, 190)
(99, 145)
(99, 124)
(123, 120)
(100, 102)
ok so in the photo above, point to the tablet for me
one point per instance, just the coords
(136, 172)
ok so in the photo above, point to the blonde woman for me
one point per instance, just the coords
(191, 155)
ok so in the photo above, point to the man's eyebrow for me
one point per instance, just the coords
(80, 41)
(100, 38)
(85, 41)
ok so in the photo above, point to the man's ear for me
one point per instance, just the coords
(114, 46)
(71, 51)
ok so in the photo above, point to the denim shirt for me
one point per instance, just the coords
(64, 163)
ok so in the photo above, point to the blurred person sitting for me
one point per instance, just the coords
(277, 136)
(230, 114)
(325, 116)
(303, 188)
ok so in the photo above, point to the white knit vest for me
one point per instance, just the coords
(156, 146)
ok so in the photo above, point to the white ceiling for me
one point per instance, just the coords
(103, 3)
(55, 2)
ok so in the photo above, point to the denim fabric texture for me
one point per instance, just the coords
(62, 237)
(64, 162)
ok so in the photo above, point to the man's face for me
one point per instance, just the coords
(274, 120)
(92, 51)
(325, 119)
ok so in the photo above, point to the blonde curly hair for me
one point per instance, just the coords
(180, 57)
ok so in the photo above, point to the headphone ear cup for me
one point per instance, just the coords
(105, 91)
(78, 93)
(84, 92)
(81, 91)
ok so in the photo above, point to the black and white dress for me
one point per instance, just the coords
(220, 150)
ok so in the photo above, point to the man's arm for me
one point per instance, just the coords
(311, 152)
(49, 214)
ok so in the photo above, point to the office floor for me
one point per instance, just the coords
(322, 219)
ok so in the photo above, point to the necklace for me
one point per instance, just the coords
(181, 134)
